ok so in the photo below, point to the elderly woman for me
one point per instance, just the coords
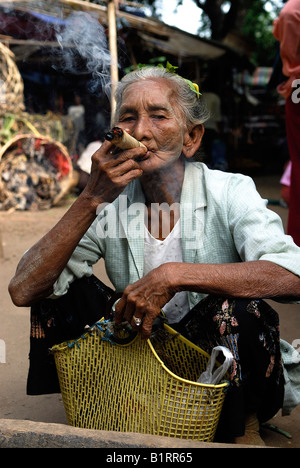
(197, 243)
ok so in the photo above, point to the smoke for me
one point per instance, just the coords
(84, 50)
(83, 43)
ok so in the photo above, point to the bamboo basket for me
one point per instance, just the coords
(57, 127)
(139, 386)
(62, 165)
(11, 83)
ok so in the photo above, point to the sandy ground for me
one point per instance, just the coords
(19, 231)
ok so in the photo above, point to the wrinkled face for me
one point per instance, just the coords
(149, 112)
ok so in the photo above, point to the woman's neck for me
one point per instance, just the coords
(165, 185)
(162, 191)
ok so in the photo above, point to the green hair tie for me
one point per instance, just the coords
(172, 69)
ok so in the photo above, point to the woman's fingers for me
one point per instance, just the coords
(140, 318)
(145, 298)
(111, 173)
(116, 156)
(130, 310)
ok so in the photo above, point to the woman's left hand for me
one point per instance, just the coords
(145, 298)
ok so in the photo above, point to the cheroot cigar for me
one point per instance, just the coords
(122, 139)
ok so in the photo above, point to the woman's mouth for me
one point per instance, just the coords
(143, 157)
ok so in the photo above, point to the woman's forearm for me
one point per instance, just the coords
(259, 279)
(41, 265)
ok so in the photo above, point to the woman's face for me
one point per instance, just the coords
(149, 112)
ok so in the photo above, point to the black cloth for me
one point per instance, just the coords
(249, 328)
(56, 320)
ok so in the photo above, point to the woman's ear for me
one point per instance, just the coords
(192, 140)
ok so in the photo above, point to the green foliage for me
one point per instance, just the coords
(157, 61)
(152, 62)
(258, 26)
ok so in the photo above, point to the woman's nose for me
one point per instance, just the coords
(142, 129)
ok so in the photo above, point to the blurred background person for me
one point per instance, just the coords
(84, 162)
(213, 144)
(76, 112)
(285, 184)
(287, 31)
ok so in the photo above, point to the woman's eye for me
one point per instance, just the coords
(159, 117)
(127, 119)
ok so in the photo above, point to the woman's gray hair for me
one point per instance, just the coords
(192, 107)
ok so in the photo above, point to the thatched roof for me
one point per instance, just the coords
(150, 32)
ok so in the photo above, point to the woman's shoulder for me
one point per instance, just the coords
(215, 176)
(218, 186)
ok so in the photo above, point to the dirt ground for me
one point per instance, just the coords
(19, 230)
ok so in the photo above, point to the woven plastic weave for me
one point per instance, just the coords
(136, 388)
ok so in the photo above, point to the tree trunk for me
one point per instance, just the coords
(222, 23)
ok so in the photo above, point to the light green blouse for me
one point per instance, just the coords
(223, 220)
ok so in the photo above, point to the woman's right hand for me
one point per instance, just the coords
(112, 170)
(41, 265)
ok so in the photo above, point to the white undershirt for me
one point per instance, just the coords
(157, 252)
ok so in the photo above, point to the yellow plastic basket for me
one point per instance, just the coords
(143, 387)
